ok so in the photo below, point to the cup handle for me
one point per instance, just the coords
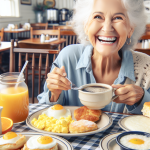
(115, 96)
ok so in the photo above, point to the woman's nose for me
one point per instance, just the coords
(107, 26)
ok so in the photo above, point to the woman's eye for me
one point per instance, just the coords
(118, 18)
(97, 17)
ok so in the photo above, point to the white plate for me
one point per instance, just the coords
(109, 142)
(104, 123)
(63, 144)
(122, 123)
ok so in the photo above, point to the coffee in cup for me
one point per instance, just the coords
(96, 95)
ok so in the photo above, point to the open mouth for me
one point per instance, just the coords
(107, 40)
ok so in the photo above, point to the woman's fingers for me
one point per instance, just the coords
(57, 80)
(61, 71)
(128, 94)
(57, 84)
(60, 79)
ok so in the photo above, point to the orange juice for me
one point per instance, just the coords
(15, 102)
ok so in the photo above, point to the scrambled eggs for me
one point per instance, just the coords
(51, 124)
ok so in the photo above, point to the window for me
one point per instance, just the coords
(9, 8)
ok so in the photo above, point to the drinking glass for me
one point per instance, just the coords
(14, 97)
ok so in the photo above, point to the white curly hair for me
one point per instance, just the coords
(135, 11)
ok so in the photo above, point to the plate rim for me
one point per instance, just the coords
(122, 126)
(61, 139)
(100, 143)
(68, 135)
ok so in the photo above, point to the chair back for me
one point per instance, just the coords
(148, 29)
(62, 27)
(37, 33)
(145, 37)
(2, 34)
(70, 36)
(37, 26)
(34, 52)
(146, 51)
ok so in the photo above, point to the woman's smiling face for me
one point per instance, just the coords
(108, 26)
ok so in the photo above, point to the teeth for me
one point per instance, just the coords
(106, 42)
(107, 39)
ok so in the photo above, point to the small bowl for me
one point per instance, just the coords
(127, 133)
(96, 100)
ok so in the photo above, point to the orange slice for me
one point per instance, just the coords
(7, 124)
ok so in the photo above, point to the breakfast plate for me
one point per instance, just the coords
(109, 142)
(104, 123)
(63, 144)
(135, 123)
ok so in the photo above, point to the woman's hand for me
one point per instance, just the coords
(128, 94)
(56, 82)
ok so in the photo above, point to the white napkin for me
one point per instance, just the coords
(27, 26)
(11, 26)
(51, 39)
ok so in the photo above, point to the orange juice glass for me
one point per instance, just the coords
(14, 97)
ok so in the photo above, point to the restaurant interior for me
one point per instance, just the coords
(32, 33)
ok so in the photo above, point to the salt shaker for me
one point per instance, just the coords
(42, 38)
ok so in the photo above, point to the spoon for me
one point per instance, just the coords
(73, 86)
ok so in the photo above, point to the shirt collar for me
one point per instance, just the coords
(127, 64)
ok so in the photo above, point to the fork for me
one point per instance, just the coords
(73, 86)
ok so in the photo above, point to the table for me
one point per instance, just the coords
(90, 142)
(5, 46)
(37, 41)
(15, 31)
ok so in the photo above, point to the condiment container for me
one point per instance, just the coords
(14, 99)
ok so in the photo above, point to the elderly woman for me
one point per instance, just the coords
(107, 31)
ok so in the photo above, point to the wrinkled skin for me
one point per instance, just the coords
(108, 20)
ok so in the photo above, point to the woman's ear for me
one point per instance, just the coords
(130, 32)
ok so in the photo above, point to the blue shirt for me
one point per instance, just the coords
(77, 62)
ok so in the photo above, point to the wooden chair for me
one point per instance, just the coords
(146, 51)
(33, 52)
(37, 33)
(1, 54)
(70, 36)
(148, 29)
(143, 50)
(37, 26)
(145, 37)
(67, 33)
(62, 27)
(2, 34)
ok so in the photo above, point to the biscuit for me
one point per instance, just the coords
(15, 146)
(53, 148)
(87, 114)
(146, 109)
(82, 126)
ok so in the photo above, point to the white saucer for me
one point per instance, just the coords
(109, 142)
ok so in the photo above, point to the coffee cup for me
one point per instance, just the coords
(96, 95)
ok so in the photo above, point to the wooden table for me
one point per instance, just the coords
(5, 46)
(15, 31)
(37, 41)
(89, 142)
